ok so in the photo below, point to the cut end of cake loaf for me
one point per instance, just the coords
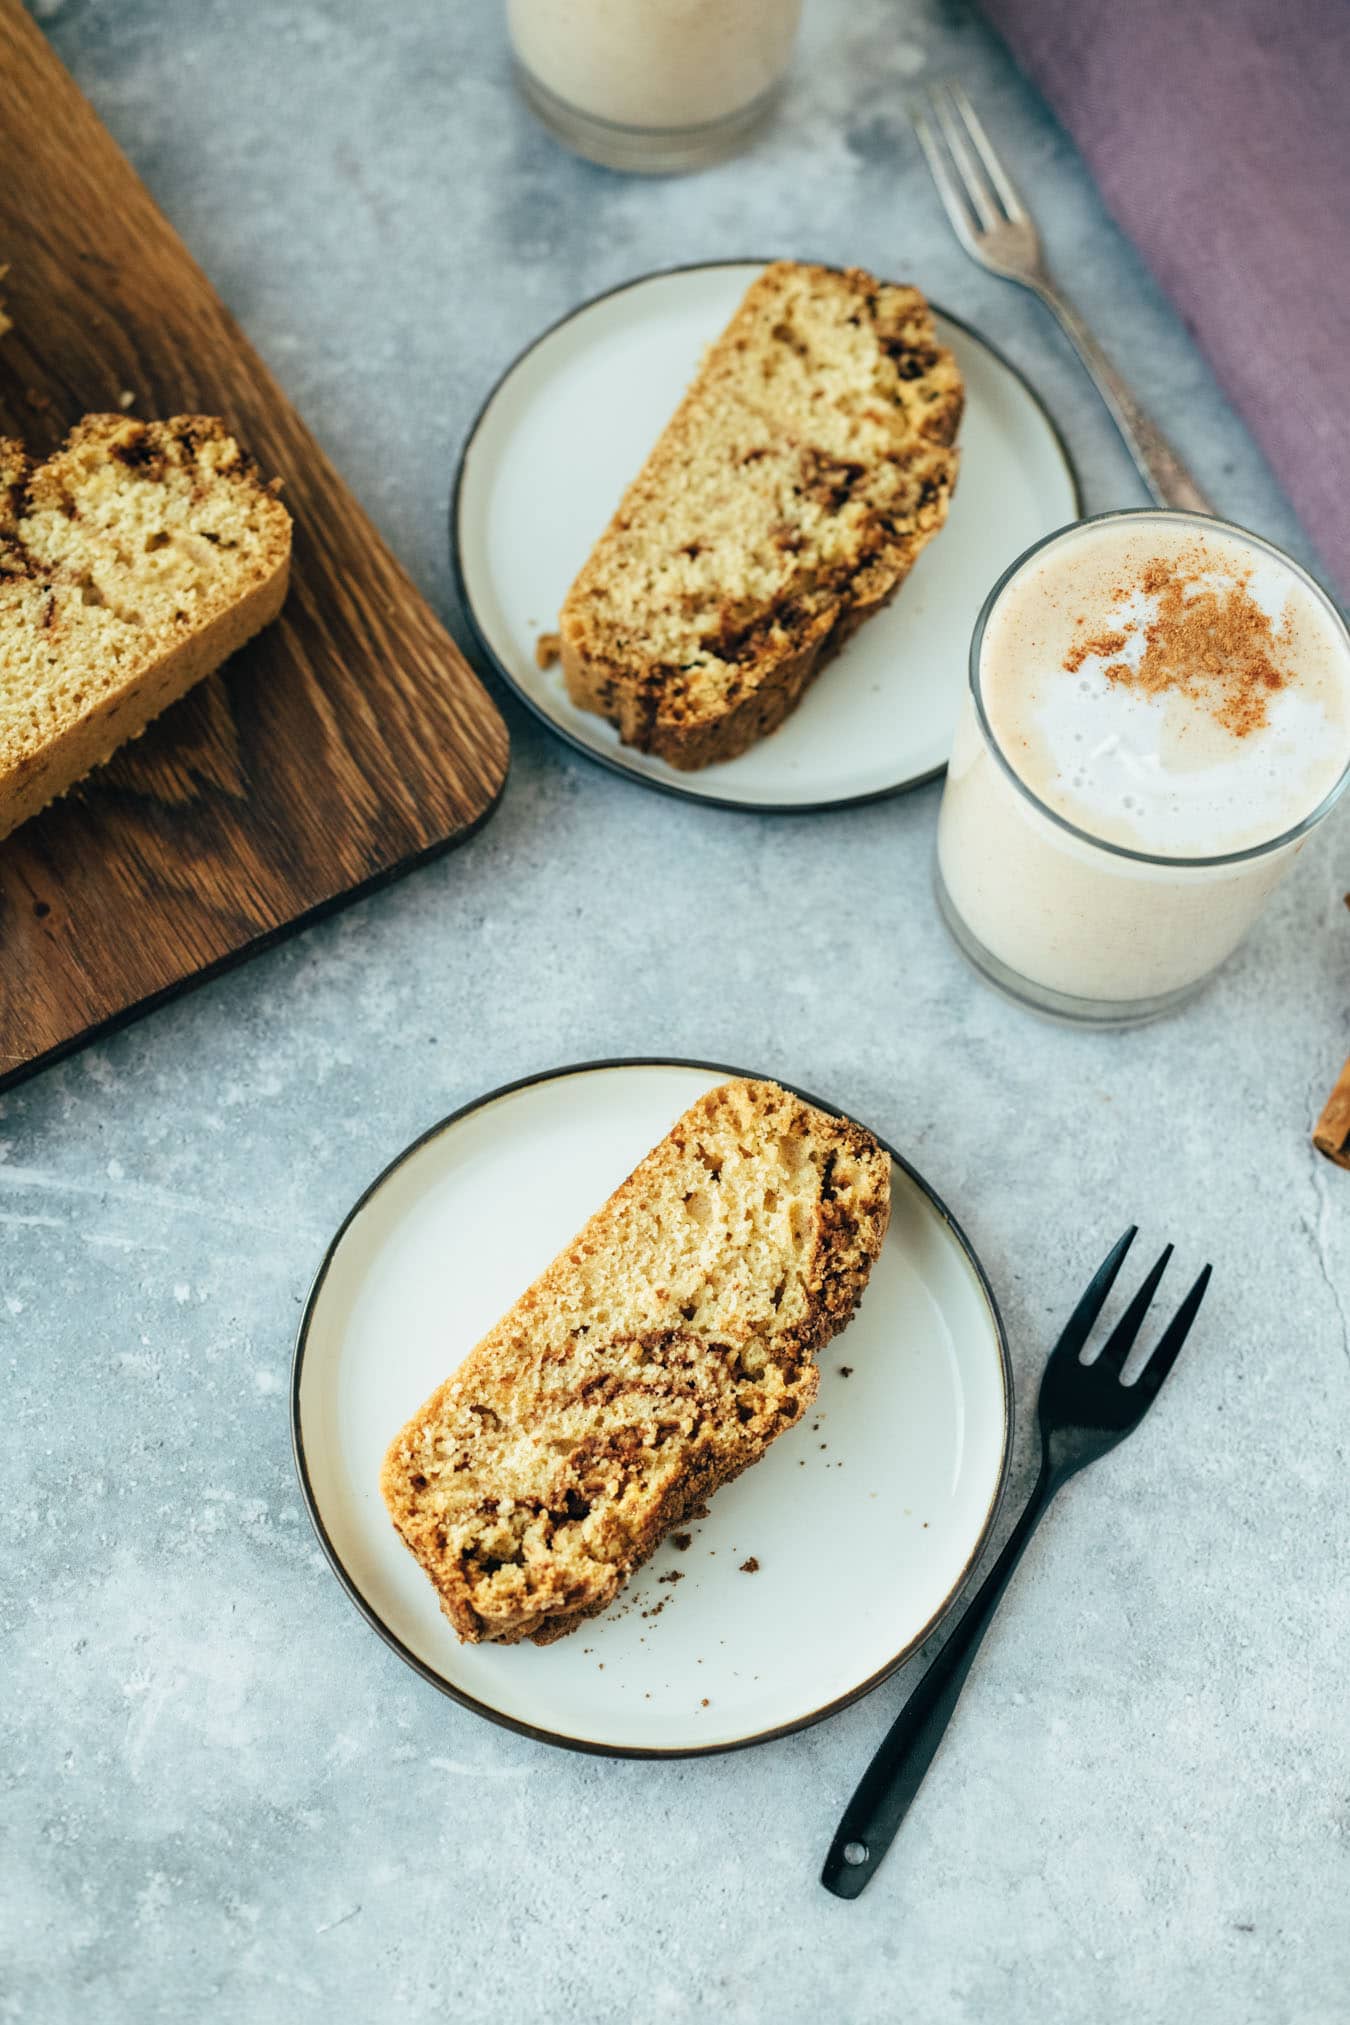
(787, 500)
(655, 1358)
(132, 563)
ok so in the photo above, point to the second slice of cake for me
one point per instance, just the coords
(786, 500)
(657, 1356)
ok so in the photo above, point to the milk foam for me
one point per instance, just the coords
(1154, 772)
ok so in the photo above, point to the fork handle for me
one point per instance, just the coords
(1166, 477)
(890, 1783)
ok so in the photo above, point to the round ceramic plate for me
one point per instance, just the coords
(863, 1521)
(570, 424)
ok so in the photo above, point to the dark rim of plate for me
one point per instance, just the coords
(560, 1738)
(615, 760)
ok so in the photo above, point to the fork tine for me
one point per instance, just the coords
(1076, 1329)
(1150, 1379)
(978, 188)
(998, 175)
(1121, 1340)
(959, 215)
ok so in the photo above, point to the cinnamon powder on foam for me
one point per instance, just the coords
(1215, 645)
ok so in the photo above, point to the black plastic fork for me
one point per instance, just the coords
(1085, 1409)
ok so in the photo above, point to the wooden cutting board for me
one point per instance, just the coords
(345, 744)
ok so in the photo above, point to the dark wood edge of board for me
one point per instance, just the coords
(10, 1079)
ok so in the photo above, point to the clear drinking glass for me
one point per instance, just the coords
(1066, 921)
(652, 85)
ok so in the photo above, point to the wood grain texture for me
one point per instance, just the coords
(343, 745)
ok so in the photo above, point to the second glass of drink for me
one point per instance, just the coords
(1158, 716)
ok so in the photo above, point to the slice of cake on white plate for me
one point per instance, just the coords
(786, 501)
(656, 1358)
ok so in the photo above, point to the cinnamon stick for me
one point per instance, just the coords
(1331, 1133)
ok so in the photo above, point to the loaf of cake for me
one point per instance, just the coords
(786, 501)
(657, 1356)
(132, 563)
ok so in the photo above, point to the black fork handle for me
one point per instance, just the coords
(890, 1783)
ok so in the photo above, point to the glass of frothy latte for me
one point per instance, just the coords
(1158, 717)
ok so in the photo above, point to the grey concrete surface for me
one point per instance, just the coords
(222, 1797)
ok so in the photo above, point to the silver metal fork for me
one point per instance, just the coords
(996, 229)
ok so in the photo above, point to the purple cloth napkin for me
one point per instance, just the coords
(1219, 134)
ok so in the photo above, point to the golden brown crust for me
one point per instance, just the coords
(654, 1360)
(786, 501)
(132, 564)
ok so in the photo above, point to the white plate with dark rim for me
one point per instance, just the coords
(569, 424)
(865, 1519)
